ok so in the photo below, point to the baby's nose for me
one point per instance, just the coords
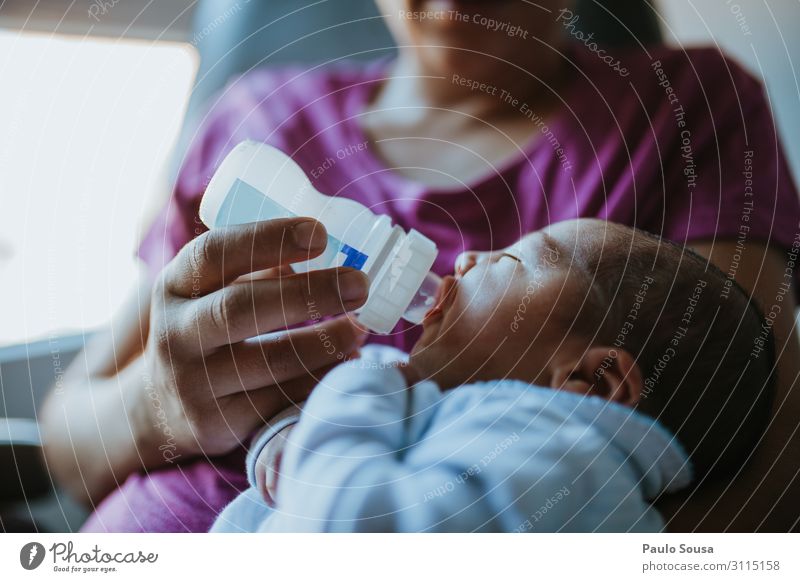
(465, 261)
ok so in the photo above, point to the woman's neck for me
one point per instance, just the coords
(484, 88)
(434, 125)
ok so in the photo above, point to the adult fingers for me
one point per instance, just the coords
(272, 273)
(278, 358)
(219, 256)
(248, 410)
(247, 310)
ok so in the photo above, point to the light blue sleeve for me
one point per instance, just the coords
(245, 514)
(465, 462)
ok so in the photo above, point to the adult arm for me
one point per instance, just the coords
(91, 423)
(178, 375)
(763, 496)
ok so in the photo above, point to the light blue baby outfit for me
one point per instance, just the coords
(501, 456)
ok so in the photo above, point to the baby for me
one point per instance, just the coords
(560, 384)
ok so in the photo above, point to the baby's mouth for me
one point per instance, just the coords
(444, 297)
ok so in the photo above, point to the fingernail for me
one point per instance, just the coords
(353, 285)
(310, 235)
(362, 335)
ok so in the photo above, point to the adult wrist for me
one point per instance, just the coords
(154, 442)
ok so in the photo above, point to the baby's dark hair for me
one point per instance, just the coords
(705, 350)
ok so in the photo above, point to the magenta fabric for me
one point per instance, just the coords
(181, 498)
(621, 154)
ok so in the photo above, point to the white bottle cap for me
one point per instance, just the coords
(397, 282)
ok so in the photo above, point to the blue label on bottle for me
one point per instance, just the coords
(245, 204)
(355, 259)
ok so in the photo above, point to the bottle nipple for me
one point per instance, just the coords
(424, 300)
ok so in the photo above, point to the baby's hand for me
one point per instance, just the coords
(268, 464)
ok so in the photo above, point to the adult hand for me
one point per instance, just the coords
(213, 379)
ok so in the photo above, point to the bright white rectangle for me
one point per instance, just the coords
(86, 130)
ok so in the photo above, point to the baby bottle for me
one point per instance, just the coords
(258, 182)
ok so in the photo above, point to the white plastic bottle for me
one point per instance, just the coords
(259, 182)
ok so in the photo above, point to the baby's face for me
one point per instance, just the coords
(507, 314)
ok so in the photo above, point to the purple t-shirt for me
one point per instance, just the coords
(665, 148)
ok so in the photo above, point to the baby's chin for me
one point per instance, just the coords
(429, 367)
(419, 361)
(423, 361)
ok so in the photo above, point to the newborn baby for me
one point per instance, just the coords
(560, 384)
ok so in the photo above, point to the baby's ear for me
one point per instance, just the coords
(607, 372)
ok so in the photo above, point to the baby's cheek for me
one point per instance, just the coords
(491, 319)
